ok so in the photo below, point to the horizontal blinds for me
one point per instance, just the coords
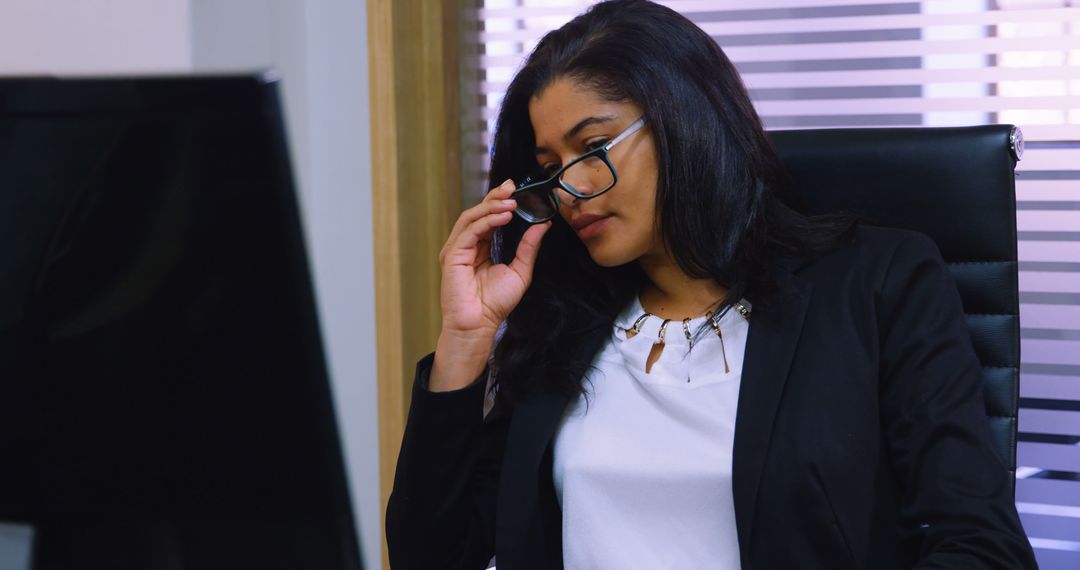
(837, 63)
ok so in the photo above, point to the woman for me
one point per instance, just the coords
(688, 373)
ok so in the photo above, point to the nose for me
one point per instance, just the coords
(580, 177)
(566, 198)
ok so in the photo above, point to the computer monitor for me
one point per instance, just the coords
(164, 400)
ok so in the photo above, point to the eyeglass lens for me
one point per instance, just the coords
(537, 203)
(589, 176)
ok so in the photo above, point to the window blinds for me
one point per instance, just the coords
(835, 63)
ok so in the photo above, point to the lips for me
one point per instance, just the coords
(589, 226)
(585, 219)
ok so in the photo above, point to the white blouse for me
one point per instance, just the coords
(642, 464)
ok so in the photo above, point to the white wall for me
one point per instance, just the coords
(103, 36)
(319, 48)
(339, 213)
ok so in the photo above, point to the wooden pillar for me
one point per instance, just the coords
(414, 48)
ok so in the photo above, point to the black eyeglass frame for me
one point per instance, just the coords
(602, 152)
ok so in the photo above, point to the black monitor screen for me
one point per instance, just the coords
(164, 401)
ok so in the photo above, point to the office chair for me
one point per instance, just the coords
(956, 185)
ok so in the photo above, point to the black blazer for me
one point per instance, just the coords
(861, 439)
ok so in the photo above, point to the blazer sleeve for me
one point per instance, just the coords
(441, 512)
(956, 505)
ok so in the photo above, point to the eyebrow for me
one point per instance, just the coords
(577, 129)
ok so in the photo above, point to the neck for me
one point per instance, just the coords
(672, 294)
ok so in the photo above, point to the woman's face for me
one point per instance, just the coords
(618, 226)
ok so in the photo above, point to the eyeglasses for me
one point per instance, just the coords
(587, 176)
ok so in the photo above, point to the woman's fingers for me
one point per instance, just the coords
(502, 191)
(482, 228)
(484, 210)
(461, 250)
(498, 197)
(471, 216)
(527, 249)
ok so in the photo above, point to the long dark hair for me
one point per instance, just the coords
(720, 192)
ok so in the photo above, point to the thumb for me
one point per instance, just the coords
(528, 247)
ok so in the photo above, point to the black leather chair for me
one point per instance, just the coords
(955, 185)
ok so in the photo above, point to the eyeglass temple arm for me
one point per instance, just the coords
(633, 128)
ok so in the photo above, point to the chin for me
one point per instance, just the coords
(609, 255)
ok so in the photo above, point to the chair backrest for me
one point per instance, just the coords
(955, 185)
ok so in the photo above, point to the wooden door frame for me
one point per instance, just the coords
(414, 48)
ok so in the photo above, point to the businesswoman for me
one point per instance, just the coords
(686, 372)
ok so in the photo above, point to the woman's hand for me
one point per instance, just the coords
(478, 294)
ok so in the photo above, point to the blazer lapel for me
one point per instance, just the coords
(532, 426)
(770, 347)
